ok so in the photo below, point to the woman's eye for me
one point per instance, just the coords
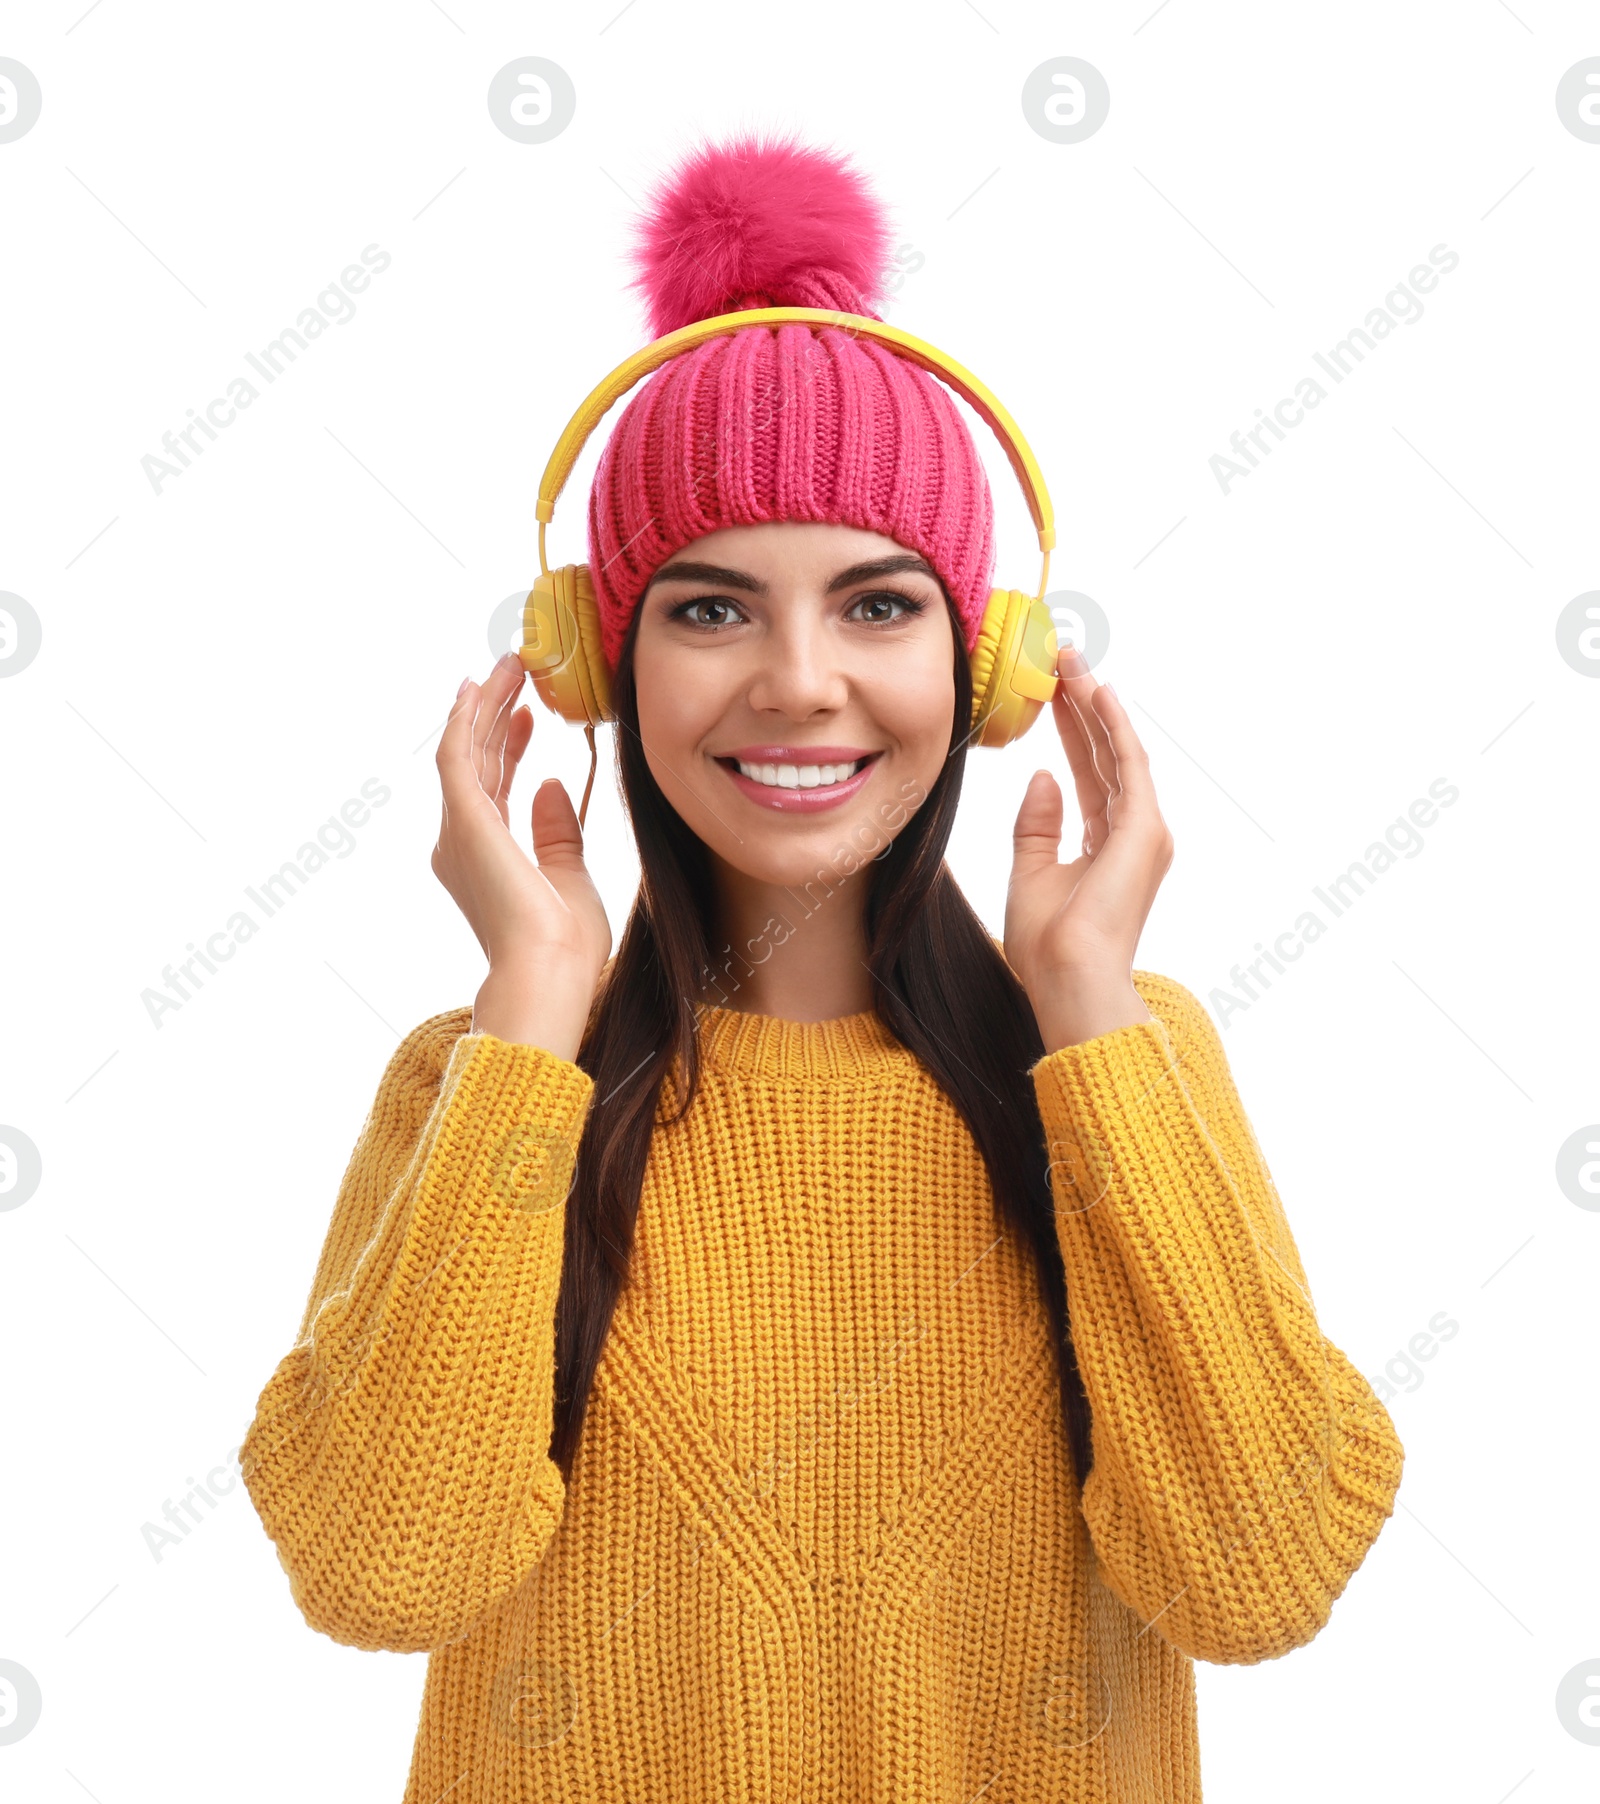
(706, 610)
(881, 608)
(886, 606)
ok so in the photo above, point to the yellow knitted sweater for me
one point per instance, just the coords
(822, 1540)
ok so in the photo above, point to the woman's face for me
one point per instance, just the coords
(795, 692)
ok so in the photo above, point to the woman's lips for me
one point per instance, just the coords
(798, 801)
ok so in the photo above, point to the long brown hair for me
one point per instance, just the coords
(938, 982)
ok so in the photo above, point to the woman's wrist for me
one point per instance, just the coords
(531, 1007)
(1071, 1007)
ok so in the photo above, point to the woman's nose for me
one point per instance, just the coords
(799, 671)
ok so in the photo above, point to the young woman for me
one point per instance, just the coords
(820, 1352)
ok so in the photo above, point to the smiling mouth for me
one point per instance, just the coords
(798, 776)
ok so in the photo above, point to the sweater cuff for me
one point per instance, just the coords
(489, 1082)
(1093, 1094)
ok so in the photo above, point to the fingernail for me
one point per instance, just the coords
(463, 689)
(508, 660)
(1110, 690)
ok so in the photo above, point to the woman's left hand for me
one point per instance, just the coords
(1072, 929)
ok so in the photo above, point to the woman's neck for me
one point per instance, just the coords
(799, 953)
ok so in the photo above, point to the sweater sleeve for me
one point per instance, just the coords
(399, 1454)
(1241, 1465)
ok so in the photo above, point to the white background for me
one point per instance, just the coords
(225, 662)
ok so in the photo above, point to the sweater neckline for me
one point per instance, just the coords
(735, 1040)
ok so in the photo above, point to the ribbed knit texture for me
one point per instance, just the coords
(787, 423)
(823, 1540)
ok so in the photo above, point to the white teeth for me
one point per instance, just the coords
(799, 776)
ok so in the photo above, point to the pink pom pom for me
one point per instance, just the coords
(751, 223)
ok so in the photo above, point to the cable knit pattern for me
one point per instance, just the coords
(822, 1538)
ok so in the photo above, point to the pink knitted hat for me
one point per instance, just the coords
(779, 422)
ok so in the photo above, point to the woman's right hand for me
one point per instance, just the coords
(542, 927)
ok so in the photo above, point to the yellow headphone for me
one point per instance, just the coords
(1013, 661)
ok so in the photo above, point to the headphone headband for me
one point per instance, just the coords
(914, 350)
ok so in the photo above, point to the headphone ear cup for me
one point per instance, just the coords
(561, 648)
(1013, 667)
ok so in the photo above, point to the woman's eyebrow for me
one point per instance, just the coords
(883, 566)
(706, 573)
(728, 578)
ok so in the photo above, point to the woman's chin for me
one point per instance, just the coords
(794, 850)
